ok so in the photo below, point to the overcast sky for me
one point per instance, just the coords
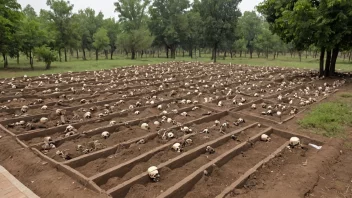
(107, 6)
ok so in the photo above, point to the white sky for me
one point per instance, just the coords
(107, 6)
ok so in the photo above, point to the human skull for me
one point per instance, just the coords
(170, 135)
(210, 150)
(105, 134)
(44, 120)
(87, 115)
(265, 138)
(154, 173)
(60, 112)
(177, 147)
(24, 109)
(69, 128)
(184, 114)
(294, 141)
(145, 126)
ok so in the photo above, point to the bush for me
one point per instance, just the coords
(46, 54)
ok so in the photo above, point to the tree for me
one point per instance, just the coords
(101, 41)
(31, 36)
(29, 12)
(135, 35)
(113, 29)
(325, 24)
(46, 54)
(10, 17)
(250, 26)
(192, 34)
(60, 15)
(169, 23)
(220, 20)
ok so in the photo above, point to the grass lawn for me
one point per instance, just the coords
(330, 118)
(73, 64)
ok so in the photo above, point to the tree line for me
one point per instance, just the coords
(147, 26)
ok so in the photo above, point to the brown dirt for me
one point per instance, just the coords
(38, 175)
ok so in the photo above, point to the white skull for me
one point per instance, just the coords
(44, 120)
(294, 141)
(157, 123)
(105, 134)
(44, 107)
(170, 135)
(177, 147)
(24, 109)
(220, 104)
(154, 173)
(69, 128)
(184, 114)
(265, 138)
(87, 115)
(145, 126)
(60, 112)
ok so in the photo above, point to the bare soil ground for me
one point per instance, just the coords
(187, 95)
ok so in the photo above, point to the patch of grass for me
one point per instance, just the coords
(74, 64)
(346, 95)
(328, 119)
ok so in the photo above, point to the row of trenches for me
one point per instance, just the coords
(199, 125)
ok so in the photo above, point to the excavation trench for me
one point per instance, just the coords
(170, 175)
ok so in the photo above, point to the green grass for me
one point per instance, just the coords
(329, 119)
(78, 65)
(346, 95)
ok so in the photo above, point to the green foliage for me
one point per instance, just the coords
(250, 26)
(168, 22)
(113, 29)
(135, 35)
(10, 17)
(329, 118)
(46, 54)
(135, 40)
(101, 39)
(31, 35)
(219, 21)
(59, 17)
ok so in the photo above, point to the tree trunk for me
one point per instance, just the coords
(84, 54)
(77, 54)
(18, 58)
(199, 53)
(274, 55)
(321, 66)
(327, 63)
(133, 55)
(231, 54)
(60, 55)
(31, 59)
(300, 56)
(167, 52)
(251, 53)
(65, 50)
(48, 65)
(96, 54)
(335, 53)
(224, 55)
(215, 50)
(349, 58)
(6, 64)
